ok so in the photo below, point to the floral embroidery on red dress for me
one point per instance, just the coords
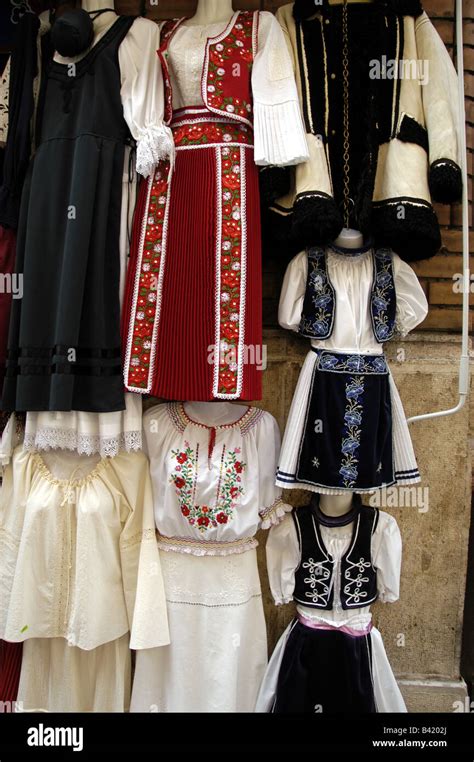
(234, 52)
(229, 487)
(146, 302)
(230, 136)
(200, 134)
(230, 273)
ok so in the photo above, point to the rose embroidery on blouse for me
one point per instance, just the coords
(229, 487)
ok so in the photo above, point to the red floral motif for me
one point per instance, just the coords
(230, 332)
(229, 488)
(201, 133)
(143, 315)
(231, 279)
(226, 380)
(231, 181)
(231, 273)
(236, 50)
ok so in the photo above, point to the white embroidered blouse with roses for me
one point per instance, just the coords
(213, 476)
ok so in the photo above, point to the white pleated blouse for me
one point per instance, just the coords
(279, 136)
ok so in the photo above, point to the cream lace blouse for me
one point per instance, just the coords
(78, 552)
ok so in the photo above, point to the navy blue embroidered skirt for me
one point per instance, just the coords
(325, 671)
(347, 435)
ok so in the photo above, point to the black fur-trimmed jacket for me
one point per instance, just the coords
(403, 147)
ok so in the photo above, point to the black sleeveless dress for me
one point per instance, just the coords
(64, 340)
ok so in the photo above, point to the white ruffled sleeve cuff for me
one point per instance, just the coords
(274, 514)
(154, 144)
(412, 305)
(283, 601)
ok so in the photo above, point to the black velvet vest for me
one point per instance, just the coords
(319, 306)
(314, 577)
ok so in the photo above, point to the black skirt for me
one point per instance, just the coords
(325, 671)
(347, 435)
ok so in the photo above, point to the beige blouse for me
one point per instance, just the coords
(78, 553)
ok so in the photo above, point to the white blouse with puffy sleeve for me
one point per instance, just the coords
(283, 557)
(213, 472)
(142, 95)
(279, 136)
(351, 277)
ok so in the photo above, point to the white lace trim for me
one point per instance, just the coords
(197, 548)
(274, 514)
(84, 444)
(155, 143)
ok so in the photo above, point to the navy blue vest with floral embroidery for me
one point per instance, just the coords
(319, 306)
(314, 577)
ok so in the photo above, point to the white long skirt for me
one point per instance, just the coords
(386, 691)
(57, 677)
(218, 651)
(405, 465)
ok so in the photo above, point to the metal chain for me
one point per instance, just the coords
(345, 112)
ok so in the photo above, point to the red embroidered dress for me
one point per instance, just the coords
(192, 317)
